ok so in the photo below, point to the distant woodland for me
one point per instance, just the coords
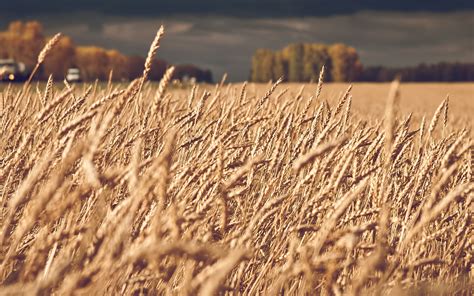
(23, 41)
(441, 72)
(297, 62)
(303, 62)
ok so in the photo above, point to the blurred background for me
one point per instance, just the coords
(257, 40)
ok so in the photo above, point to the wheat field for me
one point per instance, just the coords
(274, 189)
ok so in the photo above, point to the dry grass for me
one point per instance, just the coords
(232, 189)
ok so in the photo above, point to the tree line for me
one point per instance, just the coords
(442, 72)
(302, 62)
(23, 42)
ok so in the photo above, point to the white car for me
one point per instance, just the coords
(73, 75)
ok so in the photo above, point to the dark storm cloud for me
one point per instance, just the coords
(229, 7)
(226, 44)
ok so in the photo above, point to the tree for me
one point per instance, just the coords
(32, 41)
(262, 66)
(303, 62)
(61, 59)
(207, 76)
(280, 66)
(315, 57)
(118, 63)
(345, 62)
(93, 62)
(158, 69)
(135, 66)
(294, 53)
(22, 42)
(191, 71)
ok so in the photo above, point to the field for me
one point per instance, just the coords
(240, 189)
(369, 99)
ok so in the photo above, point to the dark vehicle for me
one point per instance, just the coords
(73, 75)
(11, 70)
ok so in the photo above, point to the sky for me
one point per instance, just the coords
(222, 35)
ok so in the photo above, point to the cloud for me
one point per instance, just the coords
(255, 8)
(128, 30)
(226, 44)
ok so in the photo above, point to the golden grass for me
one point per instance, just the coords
(268, 189)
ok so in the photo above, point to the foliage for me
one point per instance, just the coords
(447, 72)
(23, 42)
(303, 62)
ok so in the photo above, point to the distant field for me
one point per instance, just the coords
(368, 99)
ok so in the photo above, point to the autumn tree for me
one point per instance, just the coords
(22, 42)
(62, 58)
(262, 65)
(294, 54)
(303, 62)
(33, 41)
(314, 58)
(280, 66)
(118, 63)
(93, 62)
(346, 65)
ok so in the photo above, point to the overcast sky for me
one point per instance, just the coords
(222, 35)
